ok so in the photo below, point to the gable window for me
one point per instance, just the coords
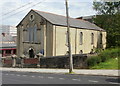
(92, 38)
(81, 38)
(31, 17)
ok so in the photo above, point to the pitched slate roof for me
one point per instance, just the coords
(7, 41)
(61, 20)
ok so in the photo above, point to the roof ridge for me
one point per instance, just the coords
(54, 14)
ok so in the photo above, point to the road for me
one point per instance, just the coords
(42, 78)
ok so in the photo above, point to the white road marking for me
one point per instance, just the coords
(24, 75)
(33, 76)
(6, 74)
(76, 79)
(11, 74)
(50, 77)
(40, 76)
(113, 83)
(18, 75)
(61, 78)
(92, 81)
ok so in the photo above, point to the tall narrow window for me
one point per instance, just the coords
(81, 38)
(100, 38)
(24, 34)
(92, 38)
(35, 34)
(27, 33)
(30, 34)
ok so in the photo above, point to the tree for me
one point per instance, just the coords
(108, 18)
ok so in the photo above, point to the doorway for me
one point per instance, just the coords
(31, 53)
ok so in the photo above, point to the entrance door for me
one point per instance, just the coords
(31, 53)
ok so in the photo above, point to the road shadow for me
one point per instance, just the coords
(114, 80)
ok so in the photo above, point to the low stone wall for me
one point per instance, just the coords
(8, 62)
(79, 61)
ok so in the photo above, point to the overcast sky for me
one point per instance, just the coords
(13, 11)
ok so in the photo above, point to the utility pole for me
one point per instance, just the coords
(69, 40)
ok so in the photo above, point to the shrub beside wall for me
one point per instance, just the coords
(103, 56)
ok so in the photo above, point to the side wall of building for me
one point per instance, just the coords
(49, 39)
(60, 45)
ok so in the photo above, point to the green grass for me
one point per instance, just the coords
(109, 64)
(107, 59)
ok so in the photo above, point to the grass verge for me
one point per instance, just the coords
(109, 64)
(107, 59)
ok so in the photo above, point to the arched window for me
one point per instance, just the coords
(27, 33)
(101, 38)
(81, 38)
(92, 38)
(35, 33)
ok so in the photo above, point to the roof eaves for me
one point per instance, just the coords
(24, 18)
(80, 27)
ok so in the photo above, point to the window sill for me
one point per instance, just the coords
(26, 42)
(37, 43)
(24, 30)
(38, 29)
(33, 42)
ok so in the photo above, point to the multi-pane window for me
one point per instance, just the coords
(35, 34)
(92, 38)
(81, 38)
(32, 34)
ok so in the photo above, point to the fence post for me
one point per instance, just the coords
(3, 60)
(13, 60)
(22, 60)
(39, 55)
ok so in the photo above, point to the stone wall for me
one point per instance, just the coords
(79, 61)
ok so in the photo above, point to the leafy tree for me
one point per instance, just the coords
(108, 18)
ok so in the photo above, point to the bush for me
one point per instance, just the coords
(104, 56)
(93, 60)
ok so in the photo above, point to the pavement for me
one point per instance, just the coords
(115, 73)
